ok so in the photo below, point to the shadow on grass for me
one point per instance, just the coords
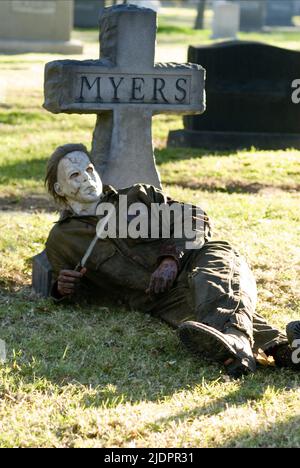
(22, 117)
(33, 169)
(114, 356)
(165, 155)
(251, 391)
(30, 203)
(234, 187)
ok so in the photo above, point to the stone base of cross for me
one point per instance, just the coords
(125, 89)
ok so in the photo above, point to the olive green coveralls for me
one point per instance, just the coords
(214, 286)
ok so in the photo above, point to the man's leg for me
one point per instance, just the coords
(224, 299)
(223, 289)
(266, 337)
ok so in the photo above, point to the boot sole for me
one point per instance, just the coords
(209, 343)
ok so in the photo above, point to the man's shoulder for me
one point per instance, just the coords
(63, 223)
(109, 190)
(135, 193)
(56, 232)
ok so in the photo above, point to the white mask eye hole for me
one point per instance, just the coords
(90, 170)
(74, 175)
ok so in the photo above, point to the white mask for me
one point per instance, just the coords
(78, 182)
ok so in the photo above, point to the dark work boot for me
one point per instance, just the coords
(288, 354)
(231, 348)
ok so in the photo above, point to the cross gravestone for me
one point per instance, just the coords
(124, 88)
(226, 22)
(249, 95)
(37, 26)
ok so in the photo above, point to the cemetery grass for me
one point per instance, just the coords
(87, 375)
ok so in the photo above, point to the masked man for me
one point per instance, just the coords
(208, 293)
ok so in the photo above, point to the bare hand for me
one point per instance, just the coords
(164, 276)
(68, 280)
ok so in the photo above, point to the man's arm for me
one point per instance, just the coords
(65, 278)
(170, 247)
(171, 252)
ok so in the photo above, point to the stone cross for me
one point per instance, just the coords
(125, 88)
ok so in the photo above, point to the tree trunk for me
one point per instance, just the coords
(200, 15)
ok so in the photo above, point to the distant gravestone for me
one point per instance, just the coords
(249, 98)
(279, 13)
(37, 26)
(87, 13)
(252, 15)
(226, 21)
(124, 88)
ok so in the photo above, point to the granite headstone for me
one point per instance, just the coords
(37, 26)
(249, 98)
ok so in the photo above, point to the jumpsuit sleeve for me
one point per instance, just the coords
(57, 259)
(172, 246)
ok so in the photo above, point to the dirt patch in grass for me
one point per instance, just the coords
(14, 283)
(31, 204)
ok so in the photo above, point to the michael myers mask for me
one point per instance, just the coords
(77, 179)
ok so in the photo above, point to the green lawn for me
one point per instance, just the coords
(100, 376)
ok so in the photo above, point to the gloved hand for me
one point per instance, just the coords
(164, 276)
(67, 281)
